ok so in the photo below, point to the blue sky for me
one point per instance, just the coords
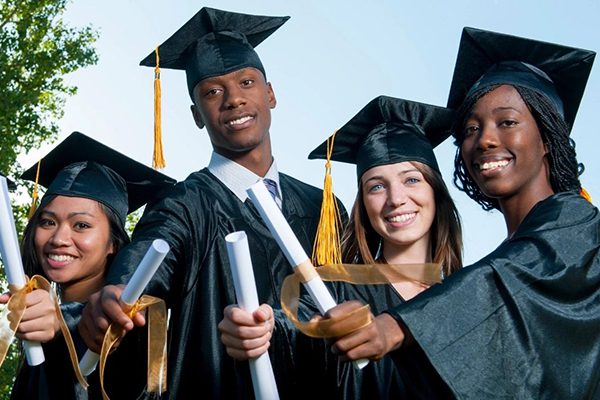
(325, 63)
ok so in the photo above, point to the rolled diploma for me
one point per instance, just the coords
(13, 264)
(132, 292)
(291, 247)
(263, 379)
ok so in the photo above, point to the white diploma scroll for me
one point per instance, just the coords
(13, 264)
(132, 292)
(263, 379)
(291, 247)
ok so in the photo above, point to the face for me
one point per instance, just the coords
(236, 110)
(72, 240)
(400, 205)
(503, 149)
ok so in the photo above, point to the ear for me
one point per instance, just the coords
(547, 148)
(111, 249)
(197, 117)
(271, 94)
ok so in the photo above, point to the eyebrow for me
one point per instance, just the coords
(404, 172)
(497, 109)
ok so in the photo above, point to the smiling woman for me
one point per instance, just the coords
(70, 240)
(525, 318)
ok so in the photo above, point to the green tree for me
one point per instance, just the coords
(37, 49)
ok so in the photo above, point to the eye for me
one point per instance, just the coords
(375, 188)
(470, 130)
(81, 226)
(212, 92)
(45, 222)
(247, 82)
(412, 180)
(509, 123)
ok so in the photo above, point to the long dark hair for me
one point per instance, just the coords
(31, 264)
(562, 160)
(360, 242)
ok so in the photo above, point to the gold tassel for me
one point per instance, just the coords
(327, 247)
(158, 160)
(34, 195)
(586, 195)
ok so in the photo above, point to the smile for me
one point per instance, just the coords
(486, 166)
(60, 257)
(240, 121)
(401, 218)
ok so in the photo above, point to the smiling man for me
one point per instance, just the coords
(232, 99)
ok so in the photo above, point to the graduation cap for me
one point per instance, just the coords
(389, 130)
(486, 58)
(212, 43)
(11, 185)
(83, 167)
(215, 42)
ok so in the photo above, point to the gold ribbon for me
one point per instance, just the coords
(13, 312)
(157, 343)
(371, 274)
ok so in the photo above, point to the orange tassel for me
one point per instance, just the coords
(586, 195)
(158, 160)
(327, 247)
(34, 195)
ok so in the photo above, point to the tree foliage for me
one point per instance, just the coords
(37, 49)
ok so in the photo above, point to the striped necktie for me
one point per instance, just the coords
(272, 188)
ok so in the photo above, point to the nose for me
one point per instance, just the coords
(488, 138)
(396, 196)
(234, 97)
(61, 236)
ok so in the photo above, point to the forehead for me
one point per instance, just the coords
(69, 205)
(503, 96)
(233, 75)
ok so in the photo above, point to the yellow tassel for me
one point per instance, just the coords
(158, 160)
(327, 247)
(34, 195)
(586, 195)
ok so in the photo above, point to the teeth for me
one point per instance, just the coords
(60, 257)
(240, 120)
(493, 164)
(402, 218)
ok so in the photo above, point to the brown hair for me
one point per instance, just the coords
(360, 242)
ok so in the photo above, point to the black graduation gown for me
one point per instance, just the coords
(406, 374)
(523, 322)
(54, 379)
(195, 279)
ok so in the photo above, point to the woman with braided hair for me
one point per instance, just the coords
(523, 322)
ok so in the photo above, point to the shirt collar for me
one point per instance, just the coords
(238, 178)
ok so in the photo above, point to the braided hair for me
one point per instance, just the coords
(562, 160)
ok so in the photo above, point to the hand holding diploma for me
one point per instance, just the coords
(292, 249)
(13, 264)
(263, 379)
(134, 289)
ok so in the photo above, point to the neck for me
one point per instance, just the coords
(80, 291)
(416, 253)
(257, 160)
(516, 208)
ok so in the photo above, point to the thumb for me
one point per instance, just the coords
(263, 313)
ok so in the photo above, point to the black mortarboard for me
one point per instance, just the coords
(390, 130)
(215, 42)
(487, 58)
(11, 185)
(83, 167)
